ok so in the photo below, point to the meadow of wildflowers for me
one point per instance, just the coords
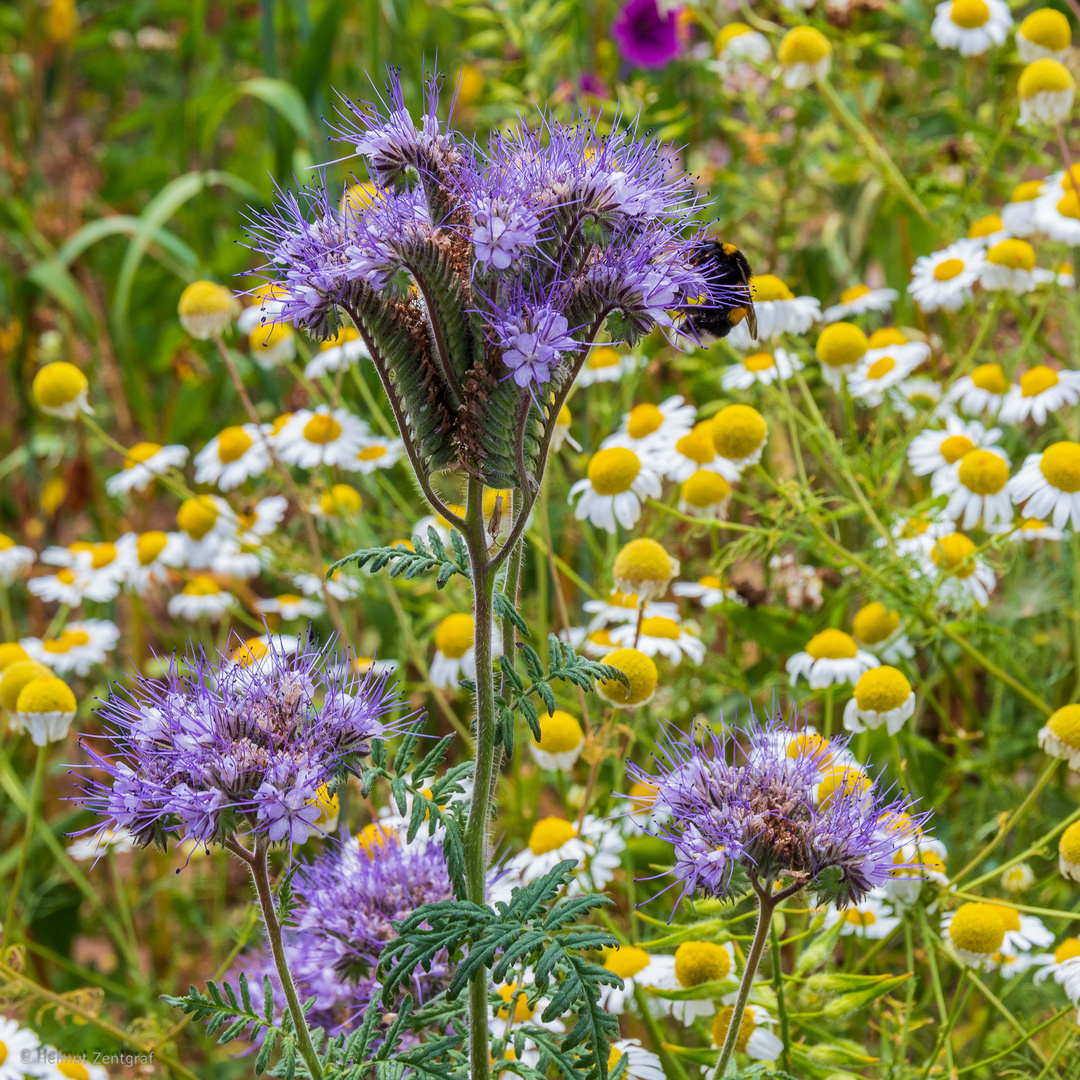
(539, 540)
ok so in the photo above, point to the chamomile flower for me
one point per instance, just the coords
(204, 521)
(987, 231)
(871, 919)
(339, 585)
(560, 434)
(68, 586)
(1063, 964)
(878, 629)
(977, 488)
(289, 606)
(511, 1007)
(1069, 852)
(705, 493)
(61, 389)
(739, 435)
(975, 933)
(943, 281)
(267, 305)
(1022, 932)
(640, 674)
(18, 1045)
(259, 652)
(696, 963)
(651, 430)
(665, 637)
(871, 380)
(206, 309)
(754, 1038)
(621, 607)
(1028, 529)
(605, 364)
(1041, 390)
(858, 300)
(1048, 485)
(144, 461)
(693, 452)
(917, 395)
(1047, 91)
(840, 348)
(322, 437)
(14, 558)
(637, 1063)
(635, 967)
(561, 741)
(963, 577)
(1018, 878)
(339, 500)
(1044, 34)
(805, 56)
(376, 453)
(645, 568)
(920, 859)
(1010, 267)
(889, 341)
(760, 367)
(342, 350)
(233, 456)
(273, 345)
(971, 26)
(831, 657)
(617, 483)
(455, 651)
(11, 652)
(595, 847)
(93, 846)
(1060, 736)
(1057, 208)
(79, 647)
(883, 696)
(709, 591)
(44, 709)
(778, 309)
(1018, 214)
(89, 571)
(982, 391)
(202, 597)
(935, 453)
(738, 45)
(1064, 276)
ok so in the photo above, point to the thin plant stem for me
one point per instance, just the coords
(827, 717)
(778, 986)
(31, 817)
(7, 621)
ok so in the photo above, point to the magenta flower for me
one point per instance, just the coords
(647, 35)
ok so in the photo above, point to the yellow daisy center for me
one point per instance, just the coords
(1069, 845)
(1060, 465)
(564, 417)
(233, 443)
(953, 553)
(641, 672)
(603, 357)
(803, 45)
(840, 781)
(1065, 724)
(266, 338)
(860, 918)
(1029, 189)
(704, 488)
(947, 269)
(738, 431)
(626, 961)
(832, 645)
(601, 638)
(841, 345)
(372, 453)
(747, 1027)
(991, 378)
(73, 1070)
(204, 298)
(11, 652)
(75, 638)
(759, 361)
(983, 472)
(767, 287)
(850, 295)
(550, 834)
(342, 337)
(659, 627)
(322, 429)
(139, 453)
(373, 838)
(1014, 254)
(612, 472)
(247, 654)
(729, 33)
(46, 695)
(56, 646)
(710, 581)
(886, 336)
(344, 498)
(1069, 949)
(1010, 917)
(698, 444)
(559, 733)
(882, 689)
(455, 636)
(1038, 380)
(65, 576)
(1045, 76)
(522, 1012)
(810, 744)
(16, 676)
(955, 447)
(644, 420)
(698, 962)
(880, 368)
(329, 805)
(977, 928)
(1048, 28)
(643, 797)
(874, 623)
(985, 226)
(1069, 206)
(197, 516)
(280, 422)
(969, 14)
(56, 385)
(201, 585)
(102, 555)
(643, 562)
(6, 543)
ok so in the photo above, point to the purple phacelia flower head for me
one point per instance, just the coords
(215, 749)
(647, 32)
(785, 808)
(533, 337)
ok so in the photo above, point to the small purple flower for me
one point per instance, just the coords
(502, 229)
(647, 33)
(780, 806)
(533, 340)
(289, 812)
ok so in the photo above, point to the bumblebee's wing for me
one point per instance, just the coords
(739, 266)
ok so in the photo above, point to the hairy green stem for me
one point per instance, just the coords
(31, 816)
(778, 986)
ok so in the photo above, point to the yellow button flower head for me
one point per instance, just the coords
(1069, 852)
(1060, 737)
(1046, 90)
(839, 349)
(550, 834)
(272, 345)
(698, 962)
(626, 961)
(60, 21)
(704, 492)
(197, 516)
(17, 675)
(1044, 34)
(11, 652)
(45, 708)
(831, 656)
(805, 56)
(874, 624)
(329, 808)
(644, 567)
(469, 85)
(883, 695)
(971, 26)
(340, 499)
(60, 389)
(739, 433)
(1017, 878)
(985, 227)
(976, 932)
(641, 672)
(206, 309)
(561, 741)
(768, 287)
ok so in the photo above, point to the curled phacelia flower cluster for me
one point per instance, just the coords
(785, 808)
(215, 749)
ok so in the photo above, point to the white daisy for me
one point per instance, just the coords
(971, 26)
(340, 586)
(934, 453)
(60, 1066)
(614, 489)
(920, 859)
(1063, 964)
(79, 647)
(761, 367)
(695, 963)
(1064, 275)
(754, 1038)
(204, 522)
(982, 391)
(346, 347)
(871, 380)
(202, 596)
(148, 557)
(917, 395)
(455, 651)
(14, 558)
(1040, 391)
(1023, 932)
(879, 631)
(652, 430)
(260, 520)
(1048, 485)
(1057, 208)
(67, 586)
(987, 231)
(605, 364)
(737, 45)
(889, 341)
(18, 1050)
(739, 434)
(233, 456)
(272, 345)
(709, 591)
(962, 577)
(289, 607)
(944, 280)
(267, 304)
(321, 437)
(1018, 214)
(871, 919)
(858, 300)
(805, 56)
(561, 741)
(831, 656)
(664, 636)
(144, 461)
(375, 454)
(778, 310)
(882, 697)
(622, 607)
(511, 1008)
(640, 1064)
(1046, 90)
(1045, 33)
(94, 845)
(695, 451)
(1010, 267)
(635, 967)
(1028, 529)
(977, 488)
(560, 434)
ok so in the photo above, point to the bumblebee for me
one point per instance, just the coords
(727, 269)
